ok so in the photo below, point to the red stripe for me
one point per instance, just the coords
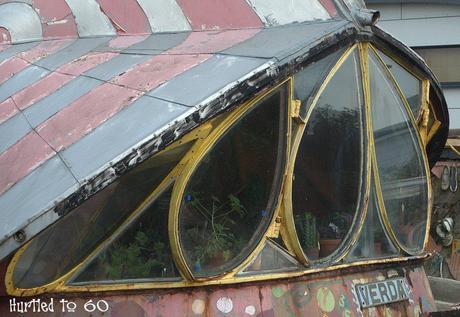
(51, 83)
(125, 41)
(22, 158)
(126, 16)
(330, 7)
(13, 65)
(57, 19)
(10, 67)
(222, 14)
(39, 90)
(91, 110)
(44, 49)
(212, 41)
(157, 70)
(7, 110)
(5, 36)
(85, 63)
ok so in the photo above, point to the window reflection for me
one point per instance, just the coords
(399, 160)
(328, 167)
(373, 242)
(409, 84)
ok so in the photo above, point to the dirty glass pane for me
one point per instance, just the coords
(329, 165)
(142, 251)
(400, 162)
(230, 198)
(65, 244)
(409, 84)
(308, 80)
(271, 259)
(373, 242)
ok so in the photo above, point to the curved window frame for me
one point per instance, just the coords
(420, 142)
(282, 223)
(359, 217)
(187, 173)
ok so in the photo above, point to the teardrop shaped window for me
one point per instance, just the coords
(399, 159)
(231, 195)
(328, 171)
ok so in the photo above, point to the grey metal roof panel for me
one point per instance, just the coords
(158, 42)
(21, 80)
(282, 41)
(12, 130)
(48, 106)
(195, 85)
(119, 134)
(116, 66)
(15, 49)
(37, 191)
(75, 50)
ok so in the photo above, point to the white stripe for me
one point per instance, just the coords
(90, 19)
(279, 12)
(21, 21)
(164, 15)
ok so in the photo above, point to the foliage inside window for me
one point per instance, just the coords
(68, 242)
(230, 198)
(328, 167)
(140, 252)
(400, 161)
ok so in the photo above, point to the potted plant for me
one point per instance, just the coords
(213, 237)
(332, 230)
(308, 234)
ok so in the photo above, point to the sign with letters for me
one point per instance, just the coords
(382, 292)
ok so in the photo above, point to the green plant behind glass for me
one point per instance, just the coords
(215, 238)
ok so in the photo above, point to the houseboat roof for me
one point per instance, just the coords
(90, 89)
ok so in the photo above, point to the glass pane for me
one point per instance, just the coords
(141, 252)
(68, 242)
(272, 259)
(308, 80)
(401, 170)
(373, 242)
(409, 84)
(229, 200)
(328, 168)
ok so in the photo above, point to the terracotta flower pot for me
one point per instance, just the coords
(328, 246)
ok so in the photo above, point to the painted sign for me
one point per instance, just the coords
(382, 292)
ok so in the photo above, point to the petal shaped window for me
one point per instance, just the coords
(229, 199)
(400, 161)
(328, 171)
